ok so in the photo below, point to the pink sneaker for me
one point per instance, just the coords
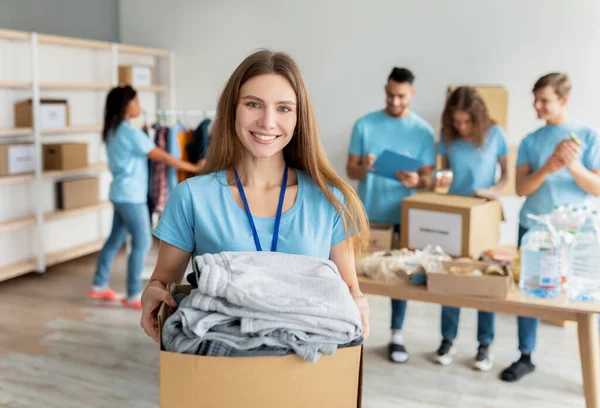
(136, 304)
(107, 294)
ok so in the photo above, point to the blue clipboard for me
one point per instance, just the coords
(389, 162)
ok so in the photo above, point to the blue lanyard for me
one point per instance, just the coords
(277, 217)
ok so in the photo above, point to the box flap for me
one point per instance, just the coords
(445, 200)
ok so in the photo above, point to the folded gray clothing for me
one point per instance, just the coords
(216, 348)
(254, 299)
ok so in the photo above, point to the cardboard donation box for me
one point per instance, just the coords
(76, 193)
(256, 382)
(380, 238)
(54, 113)
(17, 159)
(136, 75)
(460, 225)
(471, 279)
(65, 156)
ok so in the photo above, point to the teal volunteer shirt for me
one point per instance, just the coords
(202, 217)
(411, 136)
(559, 188)
(127, 149)
(474, 168)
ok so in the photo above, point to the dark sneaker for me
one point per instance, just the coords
(518, 369)
(445, 353)
(484, 360)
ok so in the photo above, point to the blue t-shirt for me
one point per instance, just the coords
(201, 217)
(559, 188)
(411, 136)
(474, 168)
(127, 149)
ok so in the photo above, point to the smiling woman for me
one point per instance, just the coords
(266, 184)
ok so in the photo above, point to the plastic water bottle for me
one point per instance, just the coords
(584, 279)
(542, 259)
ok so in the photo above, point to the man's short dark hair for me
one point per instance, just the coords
(401, 75)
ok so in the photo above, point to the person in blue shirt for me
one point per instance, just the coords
(473, 147)
(265, 168)
(400, 130)
(552, 170)
(128, 150)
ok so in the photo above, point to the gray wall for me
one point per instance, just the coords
(90, 19)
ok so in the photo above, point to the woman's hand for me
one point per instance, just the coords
(152, 298)
(363, 308)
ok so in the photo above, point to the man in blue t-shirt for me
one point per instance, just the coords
(398, 129)
(552, 170)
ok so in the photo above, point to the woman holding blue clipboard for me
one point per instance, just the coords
(472, 146)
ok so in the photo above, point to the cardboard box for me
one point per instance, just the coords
(495, 98)
(17, 159)
(381, 236)
(65, 156)
(136, 75)
(461, 226)
(54, 113)
(256, 382)
(468, 285)
(76, 193)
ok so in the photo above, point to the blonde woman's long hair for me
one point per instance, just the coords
(304, 152)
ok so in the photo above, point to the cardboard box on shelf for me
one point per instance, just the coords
(446, 282)
(381, 236)
(136, 75)
(461, 226)
(65, 156)
(17, 158)
(223, 382)
(54, 113)
(74, 193)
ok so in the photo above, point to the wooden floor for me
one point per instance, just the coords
(59, 349)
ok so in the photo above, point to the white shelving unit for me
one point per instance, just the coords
(37, 224)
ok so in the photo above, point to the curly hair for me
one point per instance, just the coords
(466, 99)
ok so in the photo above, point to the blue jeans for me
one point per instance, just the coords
(485, 325)
(132, 219)
(398, 306)
(398, 313)
(527, 325)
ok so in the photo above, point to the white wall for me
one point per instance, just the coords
(346, 49)
(92, 19)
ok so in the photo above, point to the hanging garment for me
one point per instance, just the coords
(197, 148)
(150, 131)
(175, 151)
(254, 299)
(185, 137)
(159, 173)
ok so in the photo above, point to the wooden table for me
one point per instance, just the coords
(585, 314)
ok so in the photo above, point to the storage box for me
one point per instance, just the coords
(381, 236)
(136, 75)
(461, 226)
(257, 382)
(76, 193)
(54, 113)
(17, 159)
(468, 285)
(65, 156)
(495, 98)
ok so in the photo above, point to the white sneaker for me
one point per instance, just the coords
(445, 353)
(484, 360)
